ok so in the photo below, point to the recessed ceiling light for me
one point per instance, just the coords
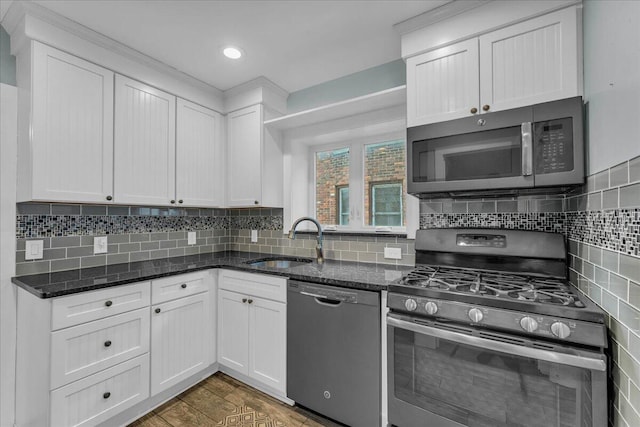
(232, 52)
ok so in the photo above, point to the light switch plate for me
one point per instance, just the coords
(254, 236)
(393, 253)
(100, 245)
(191, 238)
(33, 249)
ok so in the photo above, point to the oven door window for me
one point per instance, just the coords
(489, 154)
(478, 387)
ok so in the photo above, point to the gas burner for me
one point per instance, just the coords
(492, 284)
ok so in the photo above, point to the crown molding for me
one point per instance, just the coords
(259, 82)
(446, 11)
(20, 9)
(259, 90)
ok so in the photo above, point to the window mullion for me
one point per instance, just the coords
(356, 180)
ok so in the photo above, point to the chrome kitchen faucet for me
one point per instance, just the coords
(292, 235)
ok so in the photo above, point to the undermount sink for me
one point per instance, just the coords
(279, 262)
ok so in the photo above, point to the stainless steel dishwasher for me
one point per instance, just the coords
(333, 352)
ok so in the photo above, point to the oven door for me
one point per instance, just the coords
(443, 376)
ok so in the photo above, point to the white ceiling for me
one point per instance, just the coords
(295, 43)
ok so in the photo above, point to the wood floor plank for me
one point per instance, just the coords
(219, 385)
(181, 414)
(210, 404)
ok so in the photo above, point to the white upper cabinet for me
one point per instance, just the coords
(199, 156)
(69, 156)
(443, 84)
(522, 64)
(244, 130)
(145, 144)
(531, 62)
(254, 160)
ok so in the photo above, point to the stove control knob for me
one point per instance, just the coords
(529, 324)
(431, 308)
(475, 315)
(411, 304)
(560, 330)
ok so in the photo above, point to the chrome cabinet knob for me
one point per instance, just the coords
(475, 315)
(529, 324)
(411, 304)
(431, 308)
(560, 330)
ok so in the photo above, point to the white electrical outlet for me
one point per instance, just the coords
(100, 245)
(33, 249)
(191, 238)
(254, 236)
(393, 253)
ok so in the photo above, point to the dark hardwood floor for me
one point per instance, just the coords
(222, 401)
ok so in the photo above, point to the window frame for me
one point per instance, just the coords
(357, 147)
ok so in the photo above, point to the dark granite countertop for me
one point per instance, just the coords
(368, 276)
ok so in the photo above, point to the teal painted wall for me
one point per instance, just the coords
(7, 61)
(385, 76)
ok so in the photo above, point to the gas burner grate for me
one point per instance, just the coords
(493, 284)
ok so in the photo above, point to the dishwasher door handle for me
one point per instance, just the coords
(322, 300)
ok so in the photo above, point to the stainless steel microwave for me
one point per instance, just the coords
(535, 147)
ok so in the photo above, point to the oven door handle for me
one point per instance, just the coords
(594, 364)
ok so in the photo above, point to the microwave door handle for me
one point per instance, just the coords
(527, 149)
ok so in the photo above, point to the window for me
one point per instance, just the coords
(386, 204)
(361, 185)
(384, 180)
(332, 183)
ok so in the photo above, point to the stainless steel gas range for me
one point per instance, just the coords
(486, 331)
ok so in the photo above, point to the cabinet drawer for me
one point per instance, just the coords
(94, 305)
(258, 285)
(88, 348)
(98, 397)
(178, 286)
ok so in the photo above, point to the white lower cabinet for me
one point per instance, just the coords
(233, 331)
(98, 397)
(179, 334)
(252, 329)
(88, 357)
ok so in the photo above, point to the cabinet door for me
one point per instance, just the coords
(267, 343)
(244, 164)
(145, 144)
(179, 333)
(443, 84)
(199, 156)
(233, 331)
(530, 62)
(72, 129)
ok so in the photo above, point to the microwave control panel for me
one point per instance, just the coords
(554, 146)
